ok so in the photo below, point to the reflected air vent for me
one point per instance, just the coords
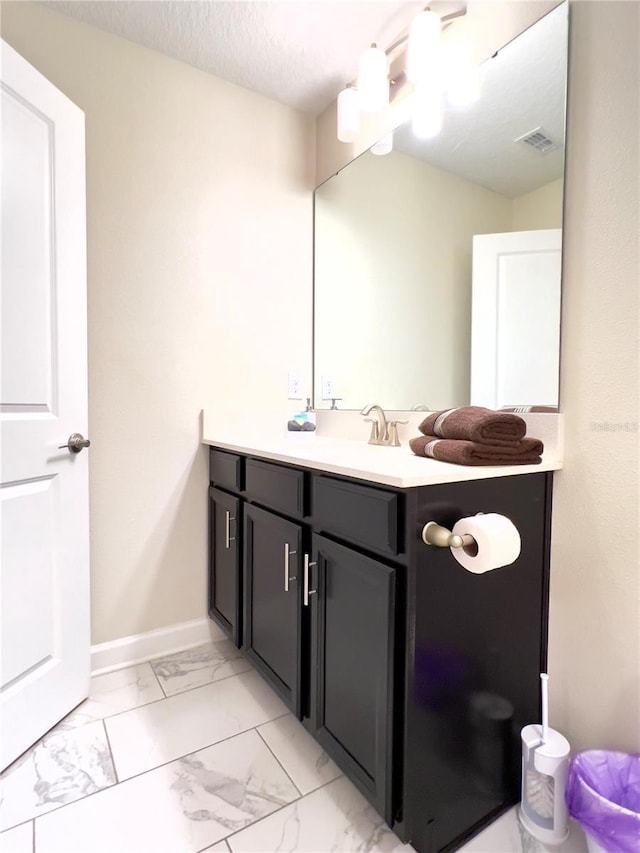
(538, 140)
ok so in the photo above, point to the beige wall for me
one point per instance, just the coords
(394, 240)
(595, 580)
(199, 254)
(541, 208)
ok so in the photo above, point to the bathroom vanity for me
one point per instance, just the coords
(436, 285)
(414, 674)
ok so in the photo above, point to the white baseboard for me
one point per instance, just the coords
(138, 648)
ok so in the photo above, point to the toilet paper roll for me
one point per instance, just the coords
(497, 539)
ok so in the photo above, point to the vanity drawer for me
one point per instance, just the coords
(225, 469)
(275, 486)
(360, 514)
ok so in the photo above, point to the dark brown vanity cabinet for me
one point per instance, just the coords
(273, 600)
(414, 674)
(352, 665)
(225, 581)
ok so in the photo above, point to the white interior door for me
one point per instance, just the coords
(515, 327)
(44, 495)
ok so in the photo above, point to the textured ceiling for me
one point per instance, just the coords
(299, 53)
(523, 87)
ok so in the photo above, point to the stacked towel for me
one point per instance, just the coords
(525, 452)
(473, 435)
(475, 423)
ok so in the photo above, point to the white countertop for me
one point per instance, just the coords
(392, 466)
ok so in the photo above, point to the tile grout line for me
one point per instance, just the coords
(165, 656)
(113, 758)
(284, 769)
(265, 817)
(181, 693)
(199, 749)
(162, 690)
(21, 823)
(141, 773)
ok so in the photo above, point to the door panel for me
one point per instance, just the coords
(272, 620)
(515, 340)
(45, 505)
(352, 627)
(27, 149)
(225, 577)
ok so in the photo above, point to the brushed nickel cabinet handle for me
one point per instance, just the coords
(228, 538)
(306, 591)
(288, 553)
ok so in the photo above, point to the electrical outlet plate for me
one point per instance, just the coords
(328, 388)
(295, 385)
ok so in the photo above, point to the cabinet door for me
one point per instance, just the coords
(225, 579)
(272, 601)
(352, 680)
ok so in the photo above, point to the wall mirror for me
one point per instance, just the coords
(437, 266)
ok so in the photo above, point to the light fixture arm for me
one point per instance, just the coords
(445, 20)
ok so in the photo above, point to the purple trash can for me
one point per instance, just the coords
(603, 795)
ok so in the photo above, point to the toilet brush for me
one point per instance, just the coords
(545, 763)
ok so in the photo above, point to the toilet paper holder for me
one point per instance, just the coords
(435, 534)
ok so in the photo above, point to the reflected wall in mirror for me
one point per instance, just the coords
(437, 266)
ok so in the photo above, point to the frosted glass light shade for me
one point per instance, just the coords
(423, 54)
(384, 145)
(462, 78)
(428, 112)
(463, 88)
(348, 122)
(373, 80)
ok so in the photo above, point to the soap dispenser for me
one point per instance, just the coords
(303, 421)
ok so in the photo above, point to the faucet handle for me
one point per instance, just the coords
(394, 441)
(373, 438)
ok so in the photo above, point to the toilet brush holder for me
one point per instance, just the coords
(545, 764)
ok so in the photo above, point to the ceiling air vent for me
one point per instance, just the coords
(538, 140)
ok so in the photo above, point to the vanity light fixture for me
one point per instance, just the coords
(373, 80)
(348, 115)
(428, 111)
(435, 66)
(461, 75)
(423, 51)
(383, 146)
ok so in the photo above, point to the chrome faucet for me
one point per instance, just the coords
(379, 428)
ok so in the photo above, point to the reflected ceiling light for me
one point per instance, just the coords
(461, 76)
(463, 89)
(348, 115)
(423, 54)
(428, 112)
(384, 145)
(373, 79)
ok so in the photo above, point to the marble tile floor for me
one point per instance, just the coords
(194, 752)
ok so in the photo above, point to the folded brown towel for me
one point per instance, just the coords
(525, 452)
(475, 423)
